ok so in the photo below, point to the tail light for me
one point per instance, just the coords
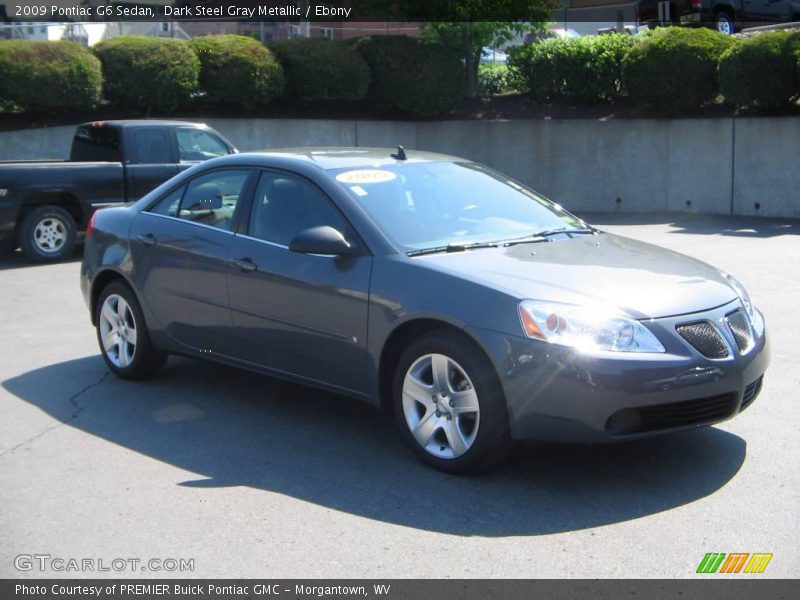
(90, 226)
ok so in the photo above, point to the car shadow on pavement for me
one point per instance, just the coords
(738, 226)
(17, 260)
(236, 428)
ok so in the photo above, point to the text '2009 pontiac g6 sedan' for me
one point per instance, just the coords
(476, 309)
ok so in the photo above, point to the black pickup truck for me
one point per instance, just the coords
(726, 16)
(44, 204)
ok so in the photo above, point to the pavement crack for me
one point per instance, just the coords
(76, 412)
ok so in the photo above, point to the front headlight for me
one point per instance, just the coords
(585, 328)
(743, 296)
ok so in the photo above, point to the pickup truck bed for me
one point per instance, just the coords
(45, 204)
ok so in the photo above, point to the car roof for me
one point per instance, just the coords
(130, 123)
(348, 157)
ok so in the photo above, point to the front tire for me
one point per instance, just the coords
(47, 233)
(723, 23)
(449, 404)
(122, 334)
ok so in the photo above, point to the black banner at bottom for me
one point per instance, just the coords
(394, 589)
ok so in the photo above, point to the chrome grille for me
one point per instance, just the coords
(704, 338)
(740, 328)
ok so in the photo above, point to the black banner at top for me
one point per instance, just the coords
(319, 10)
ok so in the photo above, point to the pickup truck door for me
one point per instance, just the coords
(773, 10)
(151, 159)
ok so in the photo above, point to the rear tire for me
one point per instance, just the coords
(122, 334)
(47, 233)
(449, 404)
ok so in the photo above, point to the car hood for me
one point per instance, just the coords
(643, 280)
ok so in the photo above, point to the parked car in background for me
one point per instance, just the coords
(474, 308)
(45, 204)
(726, 16)
(553, 32)
(493, 56)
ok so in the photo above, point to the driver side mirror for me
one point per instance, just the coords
(321, 240)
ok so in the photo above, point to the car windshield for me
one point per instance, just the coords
(434, 204)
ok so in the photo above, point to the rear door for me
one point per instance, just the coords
(298, 313)
(180, 248)
(151, 158)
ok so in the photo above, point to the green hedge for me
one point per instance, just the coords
(497, 79)
(148, 73)
(237, 71)
(586, 70)
(675, 68)
(320, 69)
(411, 76)
(761, 71)
(41, 77)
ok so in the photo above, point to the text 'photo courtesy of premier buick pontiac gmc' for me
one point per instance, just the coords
(476, 310)
(45, 204)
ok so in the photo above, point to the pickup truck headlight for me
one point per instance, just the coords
(585, 328)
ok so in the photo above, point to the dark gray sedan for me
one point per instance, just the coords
(479, 311)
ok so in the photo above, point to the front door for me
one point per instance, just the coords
(298, 313)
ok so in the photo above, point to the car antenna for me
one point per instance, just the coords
(400, 154)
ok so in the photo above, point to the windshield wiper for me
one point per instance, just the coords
(546, 234)
(454, 248)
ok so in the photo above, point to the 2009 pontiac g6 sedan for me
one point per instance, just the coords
(479, 311)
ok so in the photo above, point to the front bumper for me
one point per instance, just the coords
(556, 393)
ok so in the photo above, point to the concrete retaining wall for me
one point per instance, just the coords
(712, 166)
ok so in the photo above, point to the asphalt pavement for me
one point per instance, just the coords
(247, 476)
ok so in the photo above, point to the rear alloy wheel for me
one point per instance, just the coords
(449, 405)
(48, 233)
(123, 336)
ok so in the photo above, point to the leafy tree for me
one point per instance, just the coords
(463, 25)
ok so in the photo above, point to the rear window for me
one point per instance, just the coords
(96, 143)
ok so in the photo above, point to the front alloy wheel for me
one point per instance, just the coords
(449, 403)
(441, 406)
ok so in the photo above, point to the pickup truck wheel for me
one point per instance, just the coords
(47, 233)
(724, 23)
(122, 334)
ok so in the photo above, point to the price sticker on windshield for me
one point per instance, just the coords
(365, 176)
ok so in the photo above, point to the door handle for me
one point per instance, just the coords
(245, 265)
(147, 239)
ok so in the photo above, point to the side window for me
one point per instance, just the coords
(151, 146)
(196, 144)
(211, 199)
(284, 206)
(168, 205)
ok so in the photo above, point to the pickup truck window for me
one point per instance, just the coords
(151, 146)
(196, 144)
(96, 143)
